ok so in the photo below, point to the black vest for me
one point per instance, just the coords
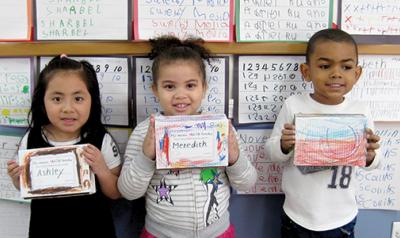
(77, 216)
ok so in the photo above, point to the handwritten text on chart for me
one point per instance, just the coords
(265, 83)
(371, 17)
(210, 20)
(214, 100)
(15, 91)
(8, 151)
(378, 189)
(64, 19)
(288, 20)
(269, 173)
(379, 86)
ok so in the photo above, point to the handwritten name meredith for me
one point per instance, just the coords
(195, 144)
(49, 172)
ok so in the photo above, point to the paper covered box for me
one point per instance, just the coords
(330, 140)
(55, 171)
(191, 141)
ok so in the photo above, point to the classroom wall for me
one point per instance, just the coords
(253, 215)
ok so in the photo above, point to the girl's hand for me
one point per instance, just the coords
(95, 159)
(372, 145)
(233, 146)
(14, 171)
(288, 138)
(149, 143)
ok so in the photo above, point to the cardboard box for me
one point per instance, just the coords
(55, 171)
(330, 140)
(191, 141)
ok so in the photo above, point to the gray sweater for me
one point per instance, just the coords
(186, 202)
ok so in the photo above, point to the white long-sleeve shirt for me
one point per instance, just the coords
(321, 200)
(181, 203)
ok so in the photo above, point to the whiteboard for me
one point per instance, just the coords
(209, 20)
(262, 84)
(215, 100)
(15, 20)
(82, 20)
(15, 90)
(379, 86)
(284, 20)
(113, 77)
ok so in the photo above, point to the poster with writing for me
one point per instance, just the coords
(262, 83)
(269, 173)
(372, 21)
(15, 90)
(209, 20)
(379, 86)
(380, 188)
(15, 20)
(82, 20)
(9, 141)
(191, 141)
(330, 139)
(284, 20)
(113, 76)
(215, 100)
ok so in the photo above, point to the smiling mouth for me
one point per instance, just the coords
(68, 120)
(181, 106)
(335, 85)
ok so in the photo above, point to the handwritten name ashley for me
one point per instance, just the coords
(54, 172)
(190, 145)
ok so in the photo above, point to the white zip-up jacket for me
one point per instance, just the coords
(185, 202)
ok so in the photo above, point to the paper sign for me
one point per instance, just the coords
(396, 230)
(209, 20)
(191, 141)
(330, 139)
(284, 20)
(269, 173)
(55, 171)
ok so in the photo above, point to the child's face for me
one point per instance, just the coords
(333, 70)
(180, 88)
(67, 102)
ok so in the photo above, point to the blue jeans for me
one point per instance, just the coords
(290, 229)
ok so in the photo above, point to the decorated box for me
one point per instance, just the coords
(55, 171)
(191, 141)
(330, 139)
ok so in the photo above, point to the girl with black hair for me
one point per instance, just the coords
(66, 110)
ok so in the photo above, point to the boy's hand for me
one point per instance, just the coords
(149, 143)
(14, 170)
(372, 145)
(288, 138)
(95, 159)
(233, 146)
